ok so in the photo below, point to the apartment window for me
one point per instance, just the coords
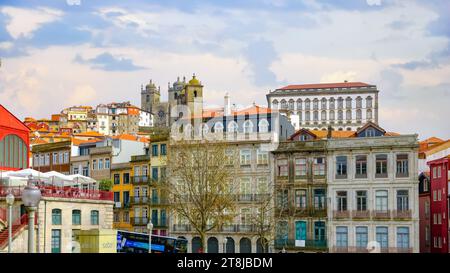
(245, 157)
(369, 102)
(61, 158)
(229, 157)
(76, 217)
(361, 237)
(282, 231)
(41, 160)
(282, 198)
(262, 186)
(348, 115)
(116, 196)
(316, 115)
(307, 104)
(427, 235)
(331, 103)
(403, 237)
(332, 115)
(369, 114)
(144, 170)
(126, 198)
(262, 157)
(358, 115)
(319, 166)
(300, 199)
(100, 164)
(348, 102)
(126, 217)
(163, 149)
(307, 116)
(66, 157)
(155, 173)
(116, 178)
(319, 231)
(76, 170)
(55, 158)
(323, 104)
(341, 200)
(107, 163)
(94, 164)
(47, 160)
(382, 237)
(56, 217)
(56, 240)
(245, 186)
(381, 200)
(361, 200)
(85, 171)
(361, 166)
(341, 237)
(300, 166)
(155, 150)
(341, 167)
(439, 171)
(315, 104)
(126, 178)
(381, 166)
(282, 167)
(94, 217)
(425, 185)
(402, 165)
(358, 102)
(299, 104)
(319, 198)
(427, 209)
(402, 200)
(340, 103)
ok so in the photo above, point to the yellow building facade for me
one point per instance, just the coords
(122, 188)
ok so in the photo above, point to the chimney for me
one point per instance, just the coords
(227, 105)
(329, 131)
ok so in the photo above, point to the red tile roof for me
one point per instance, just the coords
(7, 119)
(325, 85)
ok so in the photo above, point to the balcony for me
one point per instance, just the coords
(140, 158)
(160, 224)
(159, 202)
(361, 214)
(341, 214)
(381, 215)
(100, 150)
(139, 221)
(57, 192)
(140, 180)
(139, 200)
(402, 214)
(301, 244)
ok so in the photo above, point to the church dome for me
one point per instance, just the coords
(150, 85)
(194, 81)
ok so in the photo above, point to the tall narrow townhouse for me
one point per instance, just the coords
(373, 201)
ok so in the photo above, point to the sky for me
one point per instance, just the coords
(60, 53)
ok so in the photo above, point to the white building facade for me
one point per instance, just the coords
(373, 194)
(344, 106)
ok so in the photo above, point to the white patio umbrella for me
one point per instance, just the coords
(82, 180)
(59, 179)
(28, 173)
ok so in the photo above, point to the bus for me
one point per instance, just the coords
(134, 242)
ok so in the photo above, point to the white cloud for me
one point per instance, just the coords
(339, 76)
(73, 2)
(82, 94)
(373, 2)
(23, 22)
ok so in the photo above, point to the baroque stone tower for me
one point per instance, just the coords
(150, 97)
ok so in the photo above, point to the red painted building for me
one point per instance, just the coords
(439, 204)
(424, 213)
(14, 142)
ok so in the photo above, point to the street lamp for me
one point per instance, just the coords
(10, 202)
(150, 227)
(31, 196)
(225, 244)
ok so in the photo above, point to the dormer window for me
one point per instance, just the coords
(370, 132)
(303, 137)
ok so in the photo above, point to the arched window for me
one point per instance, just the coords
(316, 104)
(218, 127)
(348, 114)
(307, 116)
(213, 245)
(76, 217)
(332, 115)
(232, 127)
(348, 103)
(275, 104)
(94, 217)
(248, 126)
(323, 104)
(369, 114)
(323, 115)
(316, 115)
(340, 115)
(13, 152)
(340, 103)
(307, 104)
(358, 115)
(369, 102)
(195, 94)
(358, 102)
(332, 103)
(300, 117)
(299, 104)
(263, 126)
(291, 104)
(196, 244)
(283, 104)
(245, 245)
(56, 217)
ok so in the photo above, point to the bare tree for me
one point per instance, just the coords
(199, 185)
(263, 220)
